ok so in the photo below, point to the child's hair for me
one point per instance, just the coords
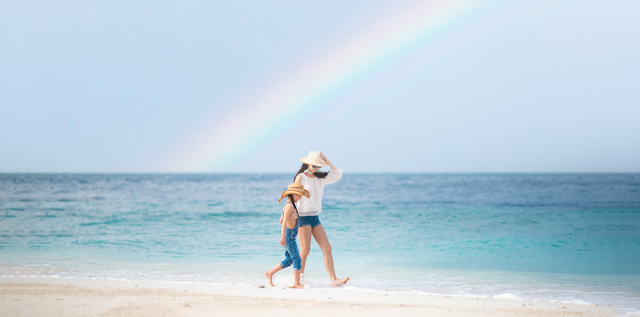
(291, 199)
(304, 167)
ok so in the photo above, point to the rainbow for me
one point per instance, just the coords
(264, 116)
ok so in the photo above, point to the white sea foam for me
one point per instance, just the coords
(577, 301)
(507, 296)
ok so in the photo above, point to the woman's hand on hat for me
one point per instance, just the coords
(324, 158)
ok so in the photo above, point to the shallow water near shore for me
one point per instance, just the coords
(551, 237)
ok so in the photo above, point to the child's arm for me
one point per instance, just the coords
(288, 209)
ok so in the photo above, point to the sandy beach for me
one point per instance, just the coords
(79, 297)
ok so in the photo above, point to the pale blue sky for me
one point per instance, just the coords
(105, 86)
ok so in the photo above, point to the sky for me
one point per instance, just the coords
(444, 86)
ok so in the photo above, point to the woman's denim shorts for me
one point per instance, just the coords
(312, 221)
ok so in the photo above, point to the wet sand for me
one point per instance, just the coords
(79, 297)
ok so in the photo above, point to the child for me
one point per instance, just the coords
(289, 233)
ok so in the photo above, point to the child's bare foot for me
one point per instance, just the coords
(299, 286)
(339, 282)
(269, 276)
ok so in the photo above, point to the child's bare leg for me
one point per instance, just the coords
(296, 277)
(274, 270)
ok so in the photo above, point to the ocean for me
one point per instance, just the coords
(548, 237)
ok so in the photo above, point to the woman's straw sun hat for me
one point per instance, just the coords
(313, 159)
(294, 188)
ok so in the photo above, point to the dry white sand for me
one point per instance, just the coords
(78, 297)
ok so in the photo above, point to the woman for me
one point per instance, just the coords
(310, 208)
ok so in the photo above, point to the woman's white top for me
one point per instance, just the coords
(312, 206)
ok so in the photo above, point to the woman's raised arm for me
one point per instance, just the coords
(336, 172)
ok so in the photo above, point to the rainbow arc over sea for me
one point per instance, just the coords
(386, 44)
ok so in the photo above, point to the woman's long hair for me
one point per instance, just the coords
(304, 167)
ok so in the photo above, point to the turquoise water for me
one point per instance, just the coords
(560, 237)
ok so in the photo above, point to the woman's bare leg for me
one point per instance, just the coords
(296, 279)
(305, 245)
(323, 241)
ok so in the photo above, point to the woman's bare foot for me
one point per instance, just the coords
(339, 282)
(299, 286)
(269, 276)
